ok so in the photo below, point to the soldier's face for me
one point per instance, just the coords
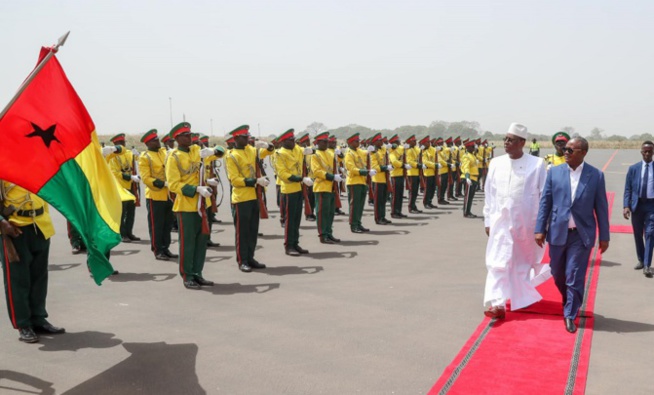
(184, 140)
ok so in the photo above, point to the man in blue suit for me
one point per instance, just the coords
(573, 197)
(639, 205)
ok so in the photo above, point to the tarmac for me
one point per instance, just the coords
(381, 313)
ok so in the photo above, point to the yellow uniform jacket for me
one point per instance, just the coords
(554, 159)
(355, 161)
(430, 158)
(395, 157)
(445, 156)
(152, 169)
(121, 167)
(183, 175)
(378, 162)
(412, 155)
(470, 165)
(322, 166)
(32, 209)
(241, 171)
(289, 168)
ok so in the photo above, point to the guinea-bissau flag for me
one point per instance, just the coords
(49, 147)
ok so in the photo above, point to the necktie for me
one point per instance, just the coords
(644, 186)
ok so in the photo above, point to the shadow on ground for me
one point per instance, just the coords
(138, 277)
(238, 288)
(73, 341)
(286, 270)
(9, 380)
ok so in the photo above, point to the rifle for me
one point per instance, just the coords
(202, 206)
(135, 188)
(421, 173)
(450, 178)
(389, 184)
(337, 195)
(10, 249)
(406, 180)
(263, 210)
(342, 183)
(214, 194)
(438, 176)
(305, 191)
(369, 179)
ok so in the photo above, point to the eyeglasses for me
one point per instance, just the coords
(512, 140)
(571, 150)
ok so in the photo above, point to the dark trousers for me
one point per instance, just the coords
(380, 193)
(160, 224)
(26, 281)
(325, 205)
(430, 190)
(460, 182)
(246, 222)
(441, 191)
(293, 209)
(312, 200)
(398, 194)
(192, 245)
(642, 221)
(469, 196)
(356, 195)
(569, 264)
(74, 237)
(414, 184)
(127, 218)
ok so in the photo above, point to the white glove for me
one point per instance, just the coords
(452, 148)
(204, 191)
(468, 181)
(135, 152)
(165, 184)
(389, 167)
(406, 146)
(307, 151)
(389, 146)
(261, 144)
(213, 182)
(439, 148)
(337, 151)
(422, 147)
(372, 172)
(338, 178)
(341, 170)
(438, 165)
(136, 178)
(109, 149)
(263, 181)
(371, 148)
(307, 181)
(207, 152)
(424, 167)
(407, 166)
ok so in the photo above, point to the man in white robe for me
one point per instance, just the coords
(512, 194)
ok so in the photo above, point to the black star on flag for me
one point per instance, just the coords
(47, 135)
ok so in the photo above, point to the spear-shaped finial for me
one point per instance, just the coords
(61, 41)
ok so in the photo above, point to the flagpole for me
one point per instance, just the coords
(44, 61)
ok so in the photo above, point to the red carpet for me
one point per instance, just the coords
(529, 352)
(622, 229)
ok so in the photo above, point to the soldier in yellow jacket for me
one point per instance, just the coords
(469, 168)
(340, 157)
(241, 162)
(412, 154)
(122, 165)
(152, 168)
(183, 169)
(380, 163)
(398, 175)
(432, 163)
(355, 163)
(559, 140)
(25, 220)
(289, 161)
(322, 167)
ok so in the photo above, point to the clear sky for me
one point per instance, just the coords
(382, 64)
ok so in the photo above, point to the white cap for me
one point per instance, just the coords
(517, 129)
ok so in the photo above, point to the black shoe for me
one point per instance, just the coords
(115, 272)
(397, 216)
(326, 240)
(259, 234)
(404, 215)
(639, 266)
(452, 198)
(339, 212)
(381, 222)
(170, 254)
(254, 264)
(334, 239)
(215, 220)
(415, 211)
(570, 325)
(212, 244)
(356, 230)
(245, 268)
(48, 329)
(292, 252)
(443, 202)
(386, 222)
(203, 282)
(161, 257)
(301, 250)
(648, 272)
(76, 250)
(27, 335)
(310, 217)
(469, 215)
(459, 195)
(191, 284)
(364, 229)
(126, 239)
(134, 238)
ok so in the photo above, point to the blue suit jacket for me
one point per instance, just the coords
(590, 203)
(632, 186)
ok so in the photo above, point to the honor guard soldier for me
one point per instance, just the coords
(470, 168)
(183, 173)
(355, 163)
(325, 173)
(559, 140)
(152, 168)
(122, 166)
(290, 162)
(278, 182)
(26, 228)
(431, 161)
(380, 162)
(169, 143)
(412, 155)
(241, 162)
(336, 150)
(304, 141)
(397, 158)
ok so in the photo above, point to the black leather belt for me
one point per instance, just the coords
(572, 229)
(30, 213)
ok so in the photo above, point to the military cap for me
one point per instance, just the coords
(560, 136)
(424, 140)
(204, 138)
(118, 137)
(195, 137)
(470, 143)
(412, 137)
(289, 134)
(375, 137)
(394, 139)
(332, 138)
(180, 128)
(165, 138)
(149, 135)
(449, 140)
(457, 138)
(353, 138)
(243, 130)
(303, 137)
(324, 136)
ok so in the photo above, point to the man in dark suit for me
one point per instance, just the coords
(639, 205)
(574, 196)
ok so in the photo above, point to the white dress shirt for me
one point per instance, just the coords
(575, 175)
(650, 180)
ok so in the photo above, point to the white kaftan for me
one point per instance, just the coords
(512, 194)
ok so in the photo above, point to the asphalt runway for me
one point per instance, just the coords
(381, 313)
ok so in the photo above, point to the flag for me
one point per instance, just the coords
(50, 147)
